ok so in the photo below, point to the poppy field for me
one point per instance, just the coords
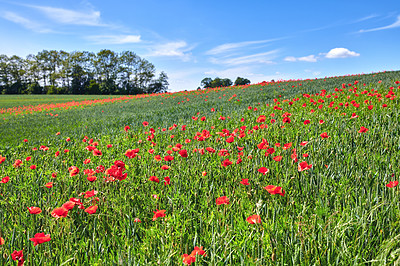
(297, 172)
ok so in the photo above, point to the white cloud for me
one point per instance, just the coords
(24, 22)
(366, 18)
(67, 16)
(260, 58)
(396, 24)
(341, 53)
(178, 49)
(290, 59)
(114, 39)
(228, 47)
(314, 73)
(309, 58)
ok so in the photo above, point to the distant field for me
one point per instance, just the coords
(290, 173)
(8, 101)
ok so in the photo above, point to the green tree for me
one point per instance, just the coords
(206, 82)
(241, 81)
(159, 85)
(106, 65)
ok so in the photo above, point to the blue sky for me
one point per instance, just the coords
(190, 40)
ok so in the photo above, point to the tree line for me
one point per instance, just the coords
(80, 72)
(218, 82)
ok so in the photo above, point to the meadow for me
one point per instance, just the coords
(299, 172)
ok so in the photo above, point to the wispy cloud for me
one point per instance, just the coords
(340, 53)
(24, 22)
(309, 58)
(179, 49)
(396, 24)
(229, 47)
(259, 58)
(71, 17)
(114, 39)
(365, 18)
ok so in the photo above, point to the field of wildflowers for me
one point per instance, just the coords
(293, 172)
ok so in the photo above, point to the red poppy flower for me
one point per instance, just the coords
(57, 154)
(354, 115)
(306, 122)
(370, 107)
(145, 123)
(40, 238)
(275, 190)
(261, 119)
(269, 151)
(198, 250)
(5, 179)
(222, 200)
(137, 220)
(130, 153)
(167, 181)
(254, 219)
(164, 167)
(73, 171)
(263, 170)
(2, 159)
(86, 161)
(226, 163)
(127, 128)
(363, 130)
(158, 214)
(91, 209)
(168, 158)
(154, 179)
(69, 205)
(304, 166)
(324, 135)
(2, 241)
(49, 185)
(303, 143)
(230, 139)
(392, 183)
(287, 146)
(91, 178)
(321, 122)
(277, 158)
(157, 158)
(183, 153)
(97, 152)
(19, 256)
(188, 259)
(89, 194)
(34, 210)
(54, 175)
(59, 212)
(33, 167)
(204, 173)
(245, 181)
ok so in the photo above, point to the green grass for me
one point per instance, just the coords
(337, 212)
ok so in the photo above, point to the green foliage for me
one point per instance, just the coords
(241, 81)
(339, 211)
(214, 83)
(59, 72)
